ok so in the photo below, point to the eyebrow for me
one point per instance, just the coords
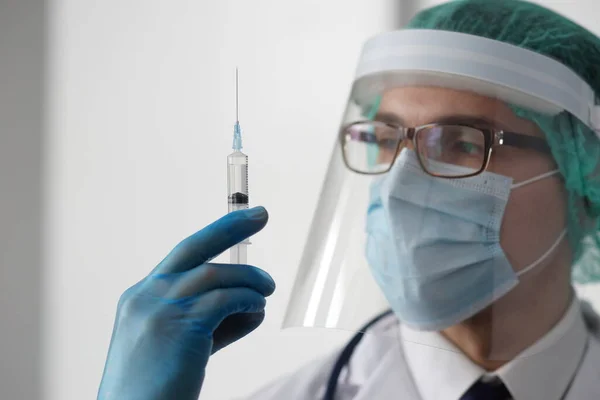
(477, 121)
(389, 118)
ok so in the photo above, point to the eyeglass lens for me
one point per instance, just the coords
(371, 147)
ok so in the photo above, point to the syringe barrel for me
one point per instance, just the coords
(238, 254)
(237, 181)
(237, 184)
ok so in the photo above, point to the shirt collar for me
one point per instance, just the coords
(542, 372)
(545, 370)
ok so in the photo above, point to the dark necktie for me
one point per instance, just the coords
(487, 389)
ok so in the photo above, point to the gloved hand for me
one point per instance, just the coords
(169, 324)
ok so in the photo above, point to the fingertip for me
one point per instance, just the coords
(269, 281)
(271, 290)
(265, 275)
(242, 224)
(258, 213)
(264, 210)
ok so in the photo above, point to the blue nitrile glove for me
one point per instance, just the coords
(169, 324)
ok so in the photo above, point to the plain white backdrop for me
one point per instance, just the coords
(142, 103)
(138, 123)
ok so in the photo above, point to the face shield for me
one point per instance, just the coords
(439, 203)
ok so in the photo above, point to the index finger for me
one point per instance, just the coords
(214, 239)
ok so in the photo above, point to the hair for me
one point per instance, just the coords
(575, 147)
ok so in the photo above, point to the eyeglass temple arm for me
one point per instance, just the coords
(525, 142)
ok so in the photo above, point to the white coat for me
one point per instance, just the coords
(379, 362)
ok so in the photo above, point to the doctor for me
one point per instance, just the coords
(478, 133)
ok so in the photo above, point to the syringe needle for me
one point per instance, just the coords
(237, 118)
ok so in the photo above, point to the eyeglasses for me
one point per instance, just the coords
(371, 147)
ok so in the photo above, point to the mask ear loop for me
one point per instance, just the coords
(545, 255)
(535, 179)
(560, 237)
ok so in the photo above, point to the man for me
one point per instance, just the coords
(479, 126)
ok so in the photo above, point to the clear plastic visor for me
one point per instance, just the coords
(443, 206)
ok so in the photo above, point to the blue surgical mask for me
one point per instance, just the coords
(433, 244)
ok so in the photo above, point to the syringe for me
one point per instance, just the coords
(237, 181)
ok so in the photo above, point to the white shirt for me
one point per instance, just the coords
(381, 368)
(535, 374)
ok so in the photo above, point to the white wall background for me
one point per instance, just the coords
(142, 111)
(140, 97)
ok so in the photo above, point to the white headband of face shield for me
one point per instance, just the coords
(467, 62)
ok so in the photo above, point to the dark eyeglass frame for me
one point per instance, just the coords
(492, 138)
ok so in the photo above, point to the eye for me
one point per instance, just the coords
(468, 147)
(387, 143)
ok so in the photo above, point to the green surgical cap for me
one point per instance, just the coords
(575, 147)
